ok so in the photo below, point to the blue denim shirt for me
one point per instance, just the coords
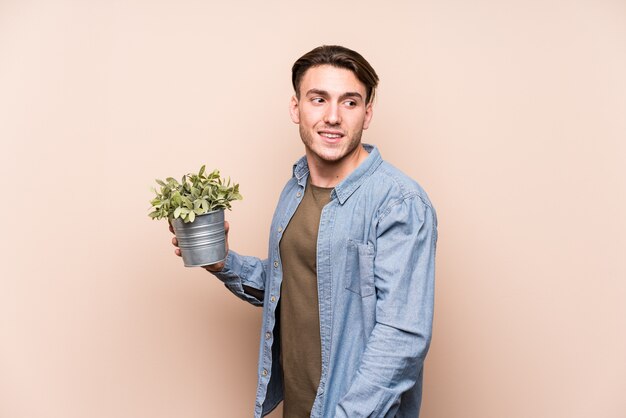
(375, 270)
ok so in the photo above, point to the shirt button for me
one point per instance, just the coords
(264, 372)
(276, 264)
(280, 229)
(298, 194)
(268, 335)
(273, 299)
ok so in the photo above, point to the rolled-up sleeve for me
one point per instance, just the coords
(240, 271)
(404, 271)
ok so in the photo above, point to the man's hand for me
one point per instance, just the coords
(212, 267)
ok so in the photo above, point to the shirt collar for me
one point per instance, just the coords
(351, 183)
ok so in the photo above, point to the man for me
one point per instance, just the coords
(347, 289)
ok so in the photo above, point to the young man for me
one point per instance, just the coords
(347, 289)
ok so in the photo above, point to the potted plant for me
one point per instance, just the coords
(195, 208)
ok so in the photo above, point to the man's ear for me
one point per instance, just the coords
(294, 110)
(369, 112)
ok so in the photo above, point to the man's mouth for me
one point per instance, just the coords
(330, 135)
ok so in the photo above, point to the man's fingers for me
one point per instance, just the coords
(175, 244)
(226, 227)
(214, 267)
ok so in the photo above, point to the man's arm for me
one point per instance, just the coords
(244, 276)
(404, 277)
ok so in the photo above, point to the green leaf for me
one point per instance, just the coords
(187, 202)
(196, 194)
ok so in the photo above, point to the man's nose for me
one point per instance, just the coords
(332, 116)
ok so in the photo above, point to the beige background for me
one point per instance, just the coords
(512, 115)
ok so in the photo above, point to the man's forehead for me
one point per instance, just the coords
(318, 92)
(332, 80)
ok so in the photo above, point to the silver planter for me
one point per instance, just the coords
(203, 241)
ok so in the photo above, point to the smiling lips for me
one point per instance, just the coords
(332, 136)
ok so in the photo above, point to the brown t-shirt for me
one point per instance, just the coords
(299, 310)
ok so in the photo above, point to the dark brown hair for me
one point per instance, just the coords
(337, 56)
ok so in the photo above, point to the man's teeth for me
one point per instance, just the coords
(330, 135)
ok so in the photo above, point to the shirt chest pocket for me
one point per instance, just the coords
(359, 271)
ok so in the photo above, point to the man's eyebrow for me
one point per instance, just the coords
(317, 91)
(351, 94)
(343, 96)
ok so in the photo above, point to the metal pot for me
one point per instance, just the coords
(203, 241)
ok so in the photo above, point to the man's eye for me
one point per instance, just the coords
(350, 103)
(317, 100)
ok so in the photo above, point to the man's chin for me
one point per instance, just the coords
(332, 153)
(329, 154)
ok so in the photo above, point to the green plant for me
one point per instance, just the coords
(195, 195)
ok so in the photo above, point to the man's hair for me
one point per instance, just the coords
(340, 57)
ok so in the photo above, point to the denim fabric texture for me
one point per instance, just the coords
(375, 271)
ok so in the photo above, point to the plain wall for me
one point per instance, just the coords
(511, 114)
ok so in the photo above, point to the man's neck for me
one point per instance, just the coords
(329, 174)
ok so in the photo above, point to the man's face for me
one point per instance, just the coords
(331, 112)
